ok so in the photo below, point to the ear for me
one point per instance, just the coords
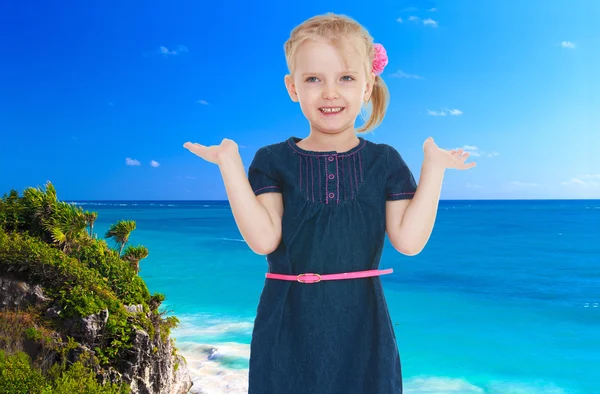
(291, 88)
(369, 88)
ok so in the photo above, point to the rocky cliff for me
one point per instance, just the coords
(75, 315)
(150, 367)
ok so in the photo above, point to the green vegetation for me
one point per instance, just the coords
(51, 243)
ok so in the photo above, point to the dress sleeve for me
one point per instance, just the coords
(262, 177)
(401, 183)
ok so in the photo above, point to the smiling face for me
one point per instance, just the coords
(330, 91)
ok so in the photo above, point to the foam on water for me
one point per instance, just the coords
(442, 385)
(217, 369)
(221, 367)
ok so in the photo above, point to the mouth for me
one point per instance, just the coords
(331, 110)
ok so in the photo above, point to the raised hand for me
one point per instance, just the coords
(448, 159)
(214, 153)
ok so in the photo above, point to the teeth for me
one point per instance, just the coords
(330, 110)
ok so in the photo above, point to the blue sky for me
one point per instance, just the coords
(85, 86)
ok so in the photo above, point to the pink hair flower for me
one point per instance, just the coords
(380, 60)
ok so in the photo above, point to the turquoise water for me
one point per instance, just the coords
(504, 299)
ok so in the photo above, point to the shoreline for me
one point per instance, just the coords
(207, 364)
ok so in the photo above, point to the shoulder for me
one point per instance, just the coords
(382, 150)
(276, 148)
(269, 156)
(270, 151)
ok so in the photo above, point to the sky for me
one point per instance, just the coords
(98, 97)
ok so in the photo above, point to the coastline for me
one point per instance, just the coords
(207, 371)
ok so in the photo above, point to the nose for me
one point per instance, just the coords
(329, 92)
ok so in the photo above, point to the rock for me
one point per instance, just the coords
(86, 329)
(110, 375)
(53, 312)
(214, 354)
(149, 367)
(18, 294)
(134, 308)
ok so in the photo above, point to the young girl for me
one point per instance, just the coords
(322, 324)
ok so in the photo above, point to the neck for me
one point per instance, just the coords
(339, 141)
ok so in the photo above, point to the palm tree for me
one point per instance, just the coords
(90, 218)
(41, 205)
(66, 226)
(12, 216)
(120, 232)
(134, 254)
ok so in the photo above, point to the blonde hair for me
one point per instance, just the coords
(336, 29)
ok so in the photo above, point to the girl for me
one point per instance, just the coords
(322, 324)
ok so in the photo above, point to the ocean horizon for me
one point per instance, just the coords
(503, 299)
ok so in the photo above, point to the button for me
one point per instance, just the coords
(331, 176)
(331, 195)
(330, 158)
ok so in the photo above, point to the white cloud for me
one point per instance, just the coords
(154, 163)
(567, 44)
(132, 162)
(430, 22)
(402, 74)
(453, 112)
(399, 20)
(426, 22)
(436, 113)
(203, 102)
(594, 176)
(574, 181)
(471, 149)
(475, 152)
(432, 10)
(166, 52)
(579, 182)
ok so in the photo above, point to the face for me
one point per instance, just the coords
(330, 91)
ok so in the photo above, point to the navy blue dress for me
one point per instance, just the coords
(330, 337)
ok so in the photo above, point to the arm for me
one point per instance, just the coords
(410, 221)
(257, 217)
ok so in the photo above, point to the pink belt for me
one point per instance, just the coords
(314, 278)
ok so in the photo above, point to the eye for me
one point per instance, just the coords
(348, 76)
(311, 79)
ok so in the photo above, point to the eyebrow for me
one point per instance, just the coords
(343, 72)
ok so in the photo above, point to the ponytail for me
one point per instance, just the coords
(380, 98)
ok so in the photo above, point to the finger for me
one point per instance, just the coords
(198, 149)
(191, 145)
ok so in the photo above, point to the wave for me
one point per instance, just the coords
(221, 366)
(229, 239)
(211, 377)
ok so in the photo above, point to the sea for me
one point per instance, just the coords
(504, 299)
